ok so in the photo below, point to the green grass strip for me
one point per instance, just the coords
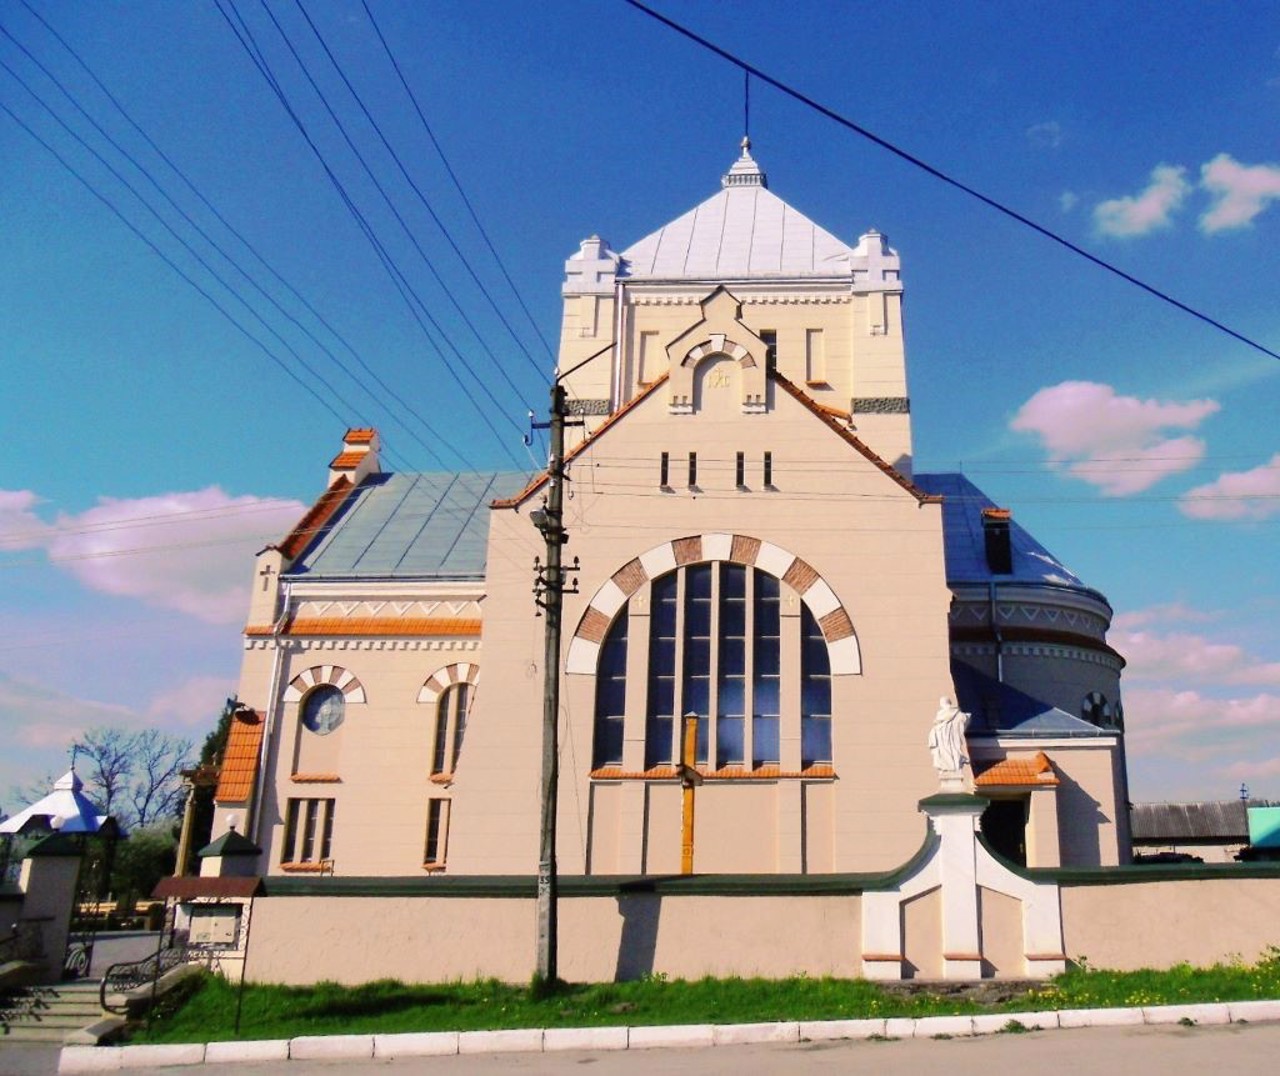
(206, 1010)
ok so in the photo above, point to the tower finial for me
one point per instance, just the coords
(746, 145)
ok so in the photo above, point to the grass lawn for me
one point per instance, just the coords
(207, 1012)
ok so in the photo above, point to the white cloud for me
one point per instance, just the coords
(1117, 443)
(196, 702)
(1186, 656)
(188, 551)
(1068, 200)
(1244, 495)
(1142, 213)
(1048, 134)
(20, 527)
(1240, 192)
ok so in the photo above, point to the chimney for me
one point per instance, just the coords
(358, 458)
(995, 532)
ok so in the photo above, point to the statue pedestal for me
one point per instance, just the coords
(954, 817)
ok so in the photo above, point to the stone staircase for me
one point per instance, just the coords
(48, 1013)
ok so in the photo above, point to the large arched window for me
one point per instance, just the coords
(715, 645)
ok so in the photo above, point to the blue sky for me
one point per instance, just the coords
(1138, 444)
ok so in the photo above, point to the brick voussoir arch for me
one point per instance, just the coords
(441, 680)
(335, 675)
(831, 615)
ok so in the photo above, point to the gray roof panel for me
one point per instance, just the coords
(430, 525)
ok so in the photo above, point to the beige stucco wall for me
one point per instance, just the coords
(1123, 926)
(871, 541)
(381, 754)
(425, 939)
(1159, 924)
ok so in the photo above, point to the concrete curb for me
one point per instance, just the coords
(78, 1059)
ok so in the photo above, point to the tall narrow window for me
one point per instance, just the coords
(437, 833)
(693, 470)
(815, 357)
(661, 711)
(740, 470)
(696, 692)
(731, 687)
(768, 470)
(770, 338)
(766, 671)
(451, 724)
(611, 696)
(815, 693)
(664, 471)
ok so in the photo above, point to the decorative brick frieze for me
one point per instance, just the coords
(881, 405)
(588, 407)
(631, 577)
(800, 576)
(744, 549)
(688, 550)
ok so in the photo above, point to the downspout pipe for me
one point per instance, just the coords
(264, 751)
(995, 629)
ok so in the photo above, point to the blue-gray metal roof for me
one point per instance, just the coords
(965, 544)
(999, 708)
(433, 526)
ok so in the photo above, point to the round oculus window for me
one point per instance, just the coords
(322, 710)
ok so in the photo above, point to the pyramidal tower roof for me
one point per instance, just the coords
(743, 232)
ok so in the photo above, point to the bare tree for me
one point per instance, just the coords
(157, 791)
(135, 776)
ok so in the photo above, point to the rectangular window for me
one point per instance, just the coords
(661, 712)
(740, 470)
(770, 338)
(308, 831)
(651, 358)
(766, 671)
(664, 471)
(437, 833)
(611, 696)
(815, 357)
(693, 470)
(768, 470)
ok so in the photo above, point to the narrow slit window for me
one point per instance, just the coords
(664, 470)
(768, 469)
(693, 470)
(741, 470)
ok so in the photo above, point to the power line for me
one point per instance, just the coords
(247, 41)
(404, 172)
(944, 177)
(457, 184)
(159, 188)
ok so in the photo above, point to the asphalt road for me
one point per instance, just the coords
(1129, 1051)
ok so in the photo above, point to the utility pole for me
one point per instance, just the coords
(549, 589)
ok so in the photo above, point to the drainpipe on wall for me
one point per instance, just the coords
(995, 630)
(254, 830)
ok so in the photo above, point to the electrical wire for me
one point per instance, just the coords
(944, 177)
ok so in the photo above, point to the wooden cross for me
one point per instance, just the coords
(690, 779)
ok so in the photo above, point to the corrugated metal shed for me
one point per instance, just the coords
(1163, 823)
(965, 544)
(433, 525)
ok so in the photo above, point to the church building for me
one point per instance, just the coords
(752, 545)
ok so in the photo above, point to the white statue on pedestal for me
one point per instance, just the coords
(946, 739)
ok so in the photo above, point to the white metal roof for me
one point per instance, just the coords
(743, 232)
